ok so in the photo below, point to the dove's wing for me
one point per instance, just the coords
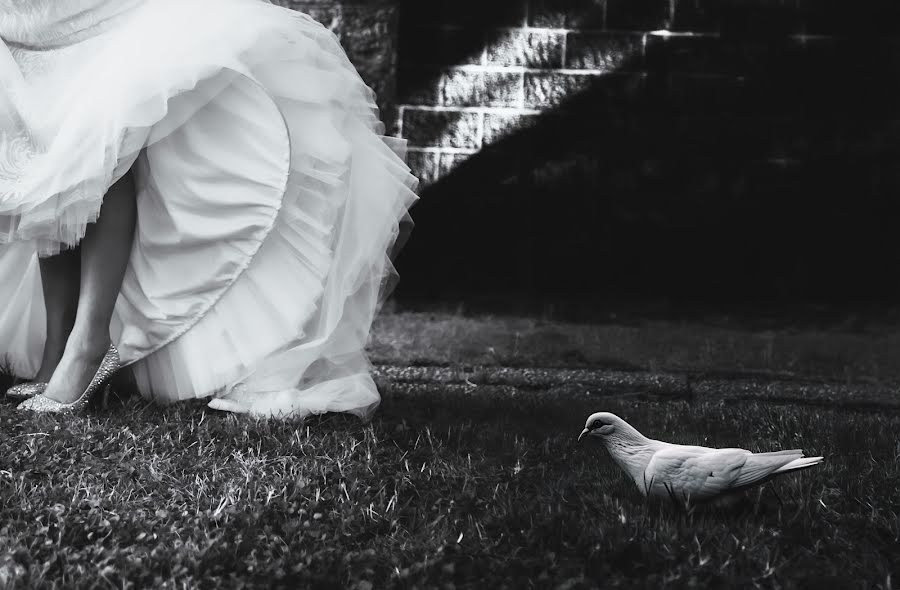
(696, 473)
(701, 473)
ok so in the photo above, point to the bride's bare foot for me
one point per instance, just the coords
(76, 369)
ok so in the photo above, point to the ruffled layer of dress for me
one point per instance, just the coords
(268, 200)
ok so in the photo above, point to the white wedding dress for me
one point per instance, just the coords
(268, 198)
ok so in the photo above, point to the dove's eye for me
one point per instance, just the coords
(596, 424)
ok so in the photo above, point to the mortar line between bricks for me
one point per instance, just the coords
(480, 130)
(521, 100)
(589, 31)
(510, 29)
(478, 68)
(479, 109)
(443, 150)
(668, 33)
(663, 33)
(624, 32)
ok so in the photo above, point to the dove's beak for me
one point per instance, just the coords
(583, 432)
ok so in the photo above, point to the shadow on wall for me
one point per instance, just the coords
(750, 166)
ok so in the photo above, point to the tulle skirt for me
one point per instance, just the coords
(268, 199)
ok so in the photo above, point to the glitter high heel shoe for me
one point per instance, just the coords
(108, 366)
(26, 390)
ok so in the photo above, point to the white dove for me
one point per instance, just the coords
(688, 473)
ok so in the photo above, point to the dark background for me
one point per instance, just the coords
(754, 163)
(721, 153)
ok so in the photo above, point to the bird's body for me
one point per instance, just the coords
(684, 472)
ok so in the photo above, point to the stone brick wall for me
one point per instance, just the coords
(624, 150)
(476, 70)
(473, 72)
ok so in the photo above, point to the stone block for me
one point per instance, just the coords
(455, 129)
(447, 163)
(687, 54)
(721, 55)
(548, 89)
(637, 15)
(606, 52)
(480, 88)
(431, 166)
(418, 85)
(441, 46)
(465, 13)
(329, 14)
(500, 125)
(370, 37)
(424, 166)
(697, 15)
(688, 93)
(566, 14)
(757, 18)
(532, 49)
(836, 17)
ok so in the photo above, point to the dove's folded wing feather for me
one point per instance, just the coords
(689, 472)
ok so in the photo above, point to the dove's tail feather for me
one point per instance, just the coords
(798, 452)
(761, 467)
(801, 463)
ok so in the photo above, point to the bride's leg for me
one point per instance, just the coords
(59, 279)
(104, 256)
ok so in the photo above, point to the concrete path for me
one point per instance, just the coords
(568, 383)
(852, 367)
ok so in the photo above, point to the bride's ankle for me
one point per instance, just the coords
(53, 353)
(91, 346)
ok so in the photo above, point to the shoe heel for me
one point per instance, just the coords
(104, 396)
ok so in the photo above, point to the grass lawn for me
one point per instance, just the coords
(461, 490)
